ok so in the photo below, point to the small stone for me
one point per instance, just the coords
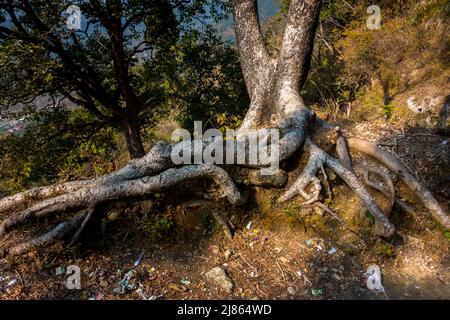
(292, 291)
(103, 283)
(336, 277)
(227, 254)
(114, 215)
(219, 276)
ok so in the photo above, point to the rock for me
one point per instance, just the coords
(336, 276)
(292, 291)
(277, 180)
(114, 214)
(103, 283)
(227, 254)
(219, 276)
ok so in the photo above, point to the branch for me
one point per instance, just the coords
(394, 164)
(295, 57)
(255, 60)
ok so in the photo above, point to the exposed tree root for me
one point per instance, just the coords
(90, 196)
(318, 158)
(11, 203)
(82, 226)
(343, 154)
(58, 233)
(274, 85)
(389, 193)
(223, 224)
(394, 164)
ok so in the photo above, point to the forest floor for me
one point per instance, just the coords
(278, 252)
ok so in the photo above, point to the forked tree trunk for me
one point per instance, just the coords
(274, 85)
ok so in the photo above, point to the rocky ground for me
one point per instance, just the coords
(278, 252)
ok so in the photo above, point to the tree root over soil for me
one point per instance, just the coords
(273, 85)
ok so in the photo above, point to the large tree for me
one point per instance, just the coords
(91, 66)
(274, 84)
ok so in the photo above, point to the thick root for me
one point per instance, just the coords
(11, 203)
(318, 158)
(58, 233)
(394, 164)
(389, 193)
(88, 197)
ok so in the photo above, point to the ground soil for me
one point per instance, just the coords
(286, 252)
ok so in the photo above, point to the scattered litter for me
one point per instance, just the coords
(185, 282)
(319, 248)
(249, 225)
(126, 283)
(139, 259)
(308, 242)
(140, 292)
(60, 270)
(302, 276)
(12, 283)
(97, 296)
(317, 292)
(373, 274)
(332, 251)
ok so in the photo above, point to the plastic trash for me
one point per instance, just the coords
(97, 296)
(317, 292)
(60, 270)
(373, 274)
(332, 251)
(185, 282)
(126, 284)
(12, 283)
(139, 259)
(249, 225)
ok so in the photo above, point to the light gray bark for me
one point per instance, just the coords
(274, 85)
(394, 164)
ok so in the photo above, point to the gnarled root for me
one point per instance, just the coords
(389, 193)
(88, 197)
(394, 164)
(223, 224)
(318, 158)
(58, 233)
(158, 159)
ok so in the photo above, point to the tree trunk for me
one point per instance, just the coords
(274, 85)
(132, 134)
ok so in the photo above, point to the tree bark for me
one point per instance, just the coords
(132, 134)
(274, 86)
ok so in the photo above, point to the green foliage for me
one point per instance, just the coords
(387, 110)
(156, 227)
(384, 250)
(292, 210)
(201, 80)
(56, 145)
